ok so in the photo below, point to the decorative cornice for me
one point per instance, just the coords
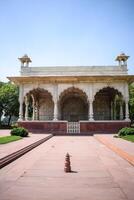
(70, 79)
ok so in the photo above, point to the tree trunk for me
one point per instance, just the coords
(9, 119)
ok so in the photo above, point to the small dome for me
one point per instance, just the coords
(25, 59)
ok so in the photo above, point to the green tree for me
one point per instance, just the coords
(1, 105)
(131, 101)
(9, 100)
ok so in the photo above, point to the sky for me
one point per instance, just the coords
(65, 32)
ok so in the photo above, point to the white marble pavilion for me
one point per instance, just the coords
(74, 98)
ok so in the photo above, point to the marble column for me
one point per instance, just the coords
(55, 99)
(121, 111)
(21, 103)
(126, 103)
(36, 110)
(55, 118)
(26, 108)
(126, 111)
(91, 114)
(33, 103)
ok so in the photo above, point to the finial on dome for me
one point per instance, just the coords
(122, 59)
(25, 60)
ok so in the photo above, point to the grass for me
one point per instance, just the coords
(128, 137)
(7, 139)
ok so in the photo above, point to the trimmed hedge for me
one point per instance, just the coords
(19, 132)
(126, 131)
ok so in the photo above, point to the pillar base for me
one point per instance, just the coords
(20, 119)
(127, 120)
(91, 120)
(55, 119)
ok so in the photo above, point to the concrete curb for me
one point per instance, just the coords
(13, 156)
(116, 149)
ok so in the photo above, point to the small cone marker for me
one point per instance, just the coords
(67, 163)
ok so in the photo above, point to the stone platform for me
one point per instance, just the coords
(86, 127)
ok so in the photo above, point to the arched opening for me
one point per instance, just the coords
(108, 105)
(39, 105)
(73, 105)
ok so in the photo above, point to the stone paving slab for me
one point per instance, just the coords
(125, 145)
(39, 174)
(4, 132)
(123, 148)
(6, 149)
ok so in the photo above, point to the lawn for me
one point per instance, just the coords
(7, 139)
(128, 137)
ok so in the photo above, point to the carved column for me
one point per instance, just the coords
(33, 102)
(126, 103)
(26, 108)
(36, 110)
(55, 111)
(55, 98)
(21, 103)
(90, 99)
(91, 114)
(126, 111)
(121, 111)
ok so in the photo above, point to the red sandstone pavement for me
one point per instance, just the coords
(99, 173)
(123, 144)
(122, 147)
(6, 149)
(4, 132)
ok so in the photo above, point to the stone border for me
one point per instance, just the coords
(13, 156)
(116, 149)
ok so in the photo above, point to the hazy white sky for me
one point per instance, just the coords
(65, 32)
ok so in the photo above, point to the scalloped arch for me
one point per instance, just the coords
(111, 87)
(70, 89)
(39, 89)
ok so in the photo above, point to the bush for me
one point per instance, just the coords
(19, 132)
(126, 131)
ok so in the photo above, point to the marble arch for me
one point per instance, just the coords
(40, 102)
(73, 105)
(73, 89)
(112, 104)
(119, 87)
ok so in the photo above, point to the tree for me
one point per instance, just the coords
(131, 101)
(1, 105)
(9, 100)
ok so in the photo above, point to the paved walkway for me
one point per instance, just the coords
(6, 149)
(122, 147)
(4, 132)
(123, 144)
(98, 173)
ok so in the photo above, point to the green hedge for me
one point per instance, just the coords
(19, 132)
(126, 131)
